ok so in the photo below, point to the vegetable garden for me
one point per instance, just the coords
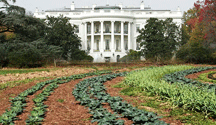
(169, 83)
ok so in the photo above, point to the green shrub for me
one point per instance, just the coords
(131, 56)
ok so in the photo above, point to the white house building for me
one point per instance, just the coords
(108, 32)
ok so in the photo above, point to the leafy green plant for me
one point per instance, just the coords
(182, 92)
(206, 77)
(19, 102)
(91, 93)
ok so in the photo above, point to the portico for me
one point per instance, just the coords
(109, 32)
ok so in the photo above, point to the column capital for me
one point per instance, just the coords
(101, 21)
(113, 21)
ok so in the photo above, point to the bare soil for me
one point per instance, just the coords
(63, 108)
(5, 95)
(196, 75)
(56, 73)
(133, 100)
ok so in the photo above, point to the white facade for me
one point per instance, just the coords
(118, 25)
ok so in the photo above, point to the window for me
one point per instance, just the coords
(97, 44)
(107, 28)
(137, 27)
(126, 45)
(107, 45)
(117, 45)
(88, 29)
(76, 28)
(88, 45)
(97, 28)
(117, 28)
(126, 28)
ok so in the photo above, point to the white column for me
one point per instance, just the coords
(112, 36)
(122, 37)
(85, 35)
(102, 38)
(129, 35)
(92, 36)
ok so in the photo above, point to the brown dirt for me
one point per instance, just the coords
(30, 104)
(133, 100)
(68, 112)
(12, 92)
(5, 95)
(196, 75)
(56, 73)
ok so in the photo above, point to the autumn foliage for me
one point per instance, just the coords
(200, 26)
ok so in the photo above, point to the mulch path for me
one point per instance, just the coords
(12, 92)
(63, 108)
(132, 100)
(30, 104)
(196, 75)
(68, 111)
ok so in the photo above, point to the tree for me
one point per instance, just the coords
(11, 16)
(199, 28)
(61, 33)
(159, 39)
(207, 16)
(195, 51)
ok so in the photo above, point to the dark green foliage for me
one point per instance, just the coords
(159, 39)
(3, 55)
(24, 55)
(195, 53)
(131, 56)
(60, 32)
(180, 77)
(81, 55)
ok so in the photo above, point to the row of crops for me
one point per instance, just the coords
(37, 114)
(92, 94)
(169, 83)
(211, 76)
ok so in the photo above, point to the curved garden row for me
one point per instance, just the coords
(211, 75)
(92, 93)
(174, 87)
(19, 102)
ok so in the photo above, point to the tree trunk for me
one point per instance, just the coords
(55, 62)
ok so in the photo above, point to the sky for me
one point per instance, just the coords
(30, 5)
